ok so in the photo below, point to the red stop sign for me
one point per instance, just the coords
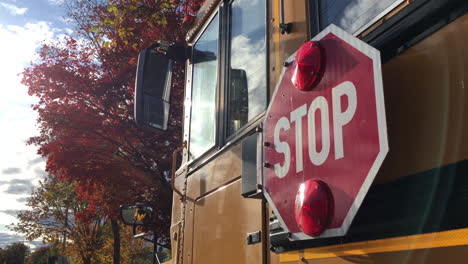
(334, 133)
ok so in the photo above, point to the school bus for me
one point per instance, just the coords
(416, 210)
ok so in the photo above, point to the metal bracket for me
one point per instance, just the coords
(285, 28)
(175, 52)
(278, 236)
(254, 237)
(252, 154)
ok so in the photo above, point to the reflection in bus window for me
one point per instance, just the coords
(247, 63)
(203, 119)
(352, 15)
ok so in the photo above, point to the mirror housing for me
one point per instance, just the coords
(136, 214)
(153, 88)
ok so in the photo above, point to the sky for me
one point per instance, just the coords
(24, 25)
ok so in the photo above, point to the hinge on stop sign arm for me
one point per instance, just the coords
(279, 238)
(252, 158)
(285, 28)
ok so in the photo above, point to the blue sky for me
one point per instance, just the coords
(24, 25)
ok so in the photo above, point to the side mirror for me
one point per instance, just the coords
(136, 214)
(153, 89)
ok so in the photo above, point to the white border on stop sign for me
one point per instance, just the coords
(374, 54)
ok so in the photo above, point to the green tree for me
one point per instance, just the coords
(15, 253)
(53, 216)
(41, 255)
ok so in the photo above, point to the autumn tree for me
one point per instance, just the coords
(85, 90)
(132, 251)
(55, 213)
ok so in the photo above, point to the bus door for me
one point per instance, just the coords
(225, 100)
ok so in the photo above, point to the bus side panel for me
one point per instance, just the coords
(176, 232)
(216, 173)
(295, 12)
(222, 221)
(448, 255)
(218, 219)
(427, 118)
(425, 96)
(282, 46)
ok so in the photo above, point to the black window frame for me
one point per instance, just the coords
(316, 26)
(413, 23)
(246, 128)
(189, 90)
(222, 141)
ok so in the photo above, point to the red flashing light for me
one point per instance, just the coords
(314, 207)
(309, 66)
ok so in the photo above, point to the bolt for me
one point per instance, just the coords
(267, 165)
(286, 64)
(266, 144)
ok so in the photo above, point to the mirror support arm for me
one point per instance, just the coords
(174, 52)
(174, 164)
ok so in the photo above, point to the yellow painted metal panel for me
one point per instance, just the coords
(221, 223)
(431, 240)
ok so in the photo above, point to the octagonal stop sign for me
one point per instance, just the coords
(325, 142)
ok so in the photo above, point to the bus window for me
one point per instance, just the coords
(205, 77)
(247, 63)
(353, 15)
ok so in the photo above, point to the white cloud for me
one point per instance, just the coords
(14, 10)
(357, 13)
(249, 55)
(17, 48)
(8, 237)
(56, 2)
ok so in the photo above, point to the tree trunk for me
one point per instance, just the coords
(116, 234)
(65, 232)
(86, 260)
